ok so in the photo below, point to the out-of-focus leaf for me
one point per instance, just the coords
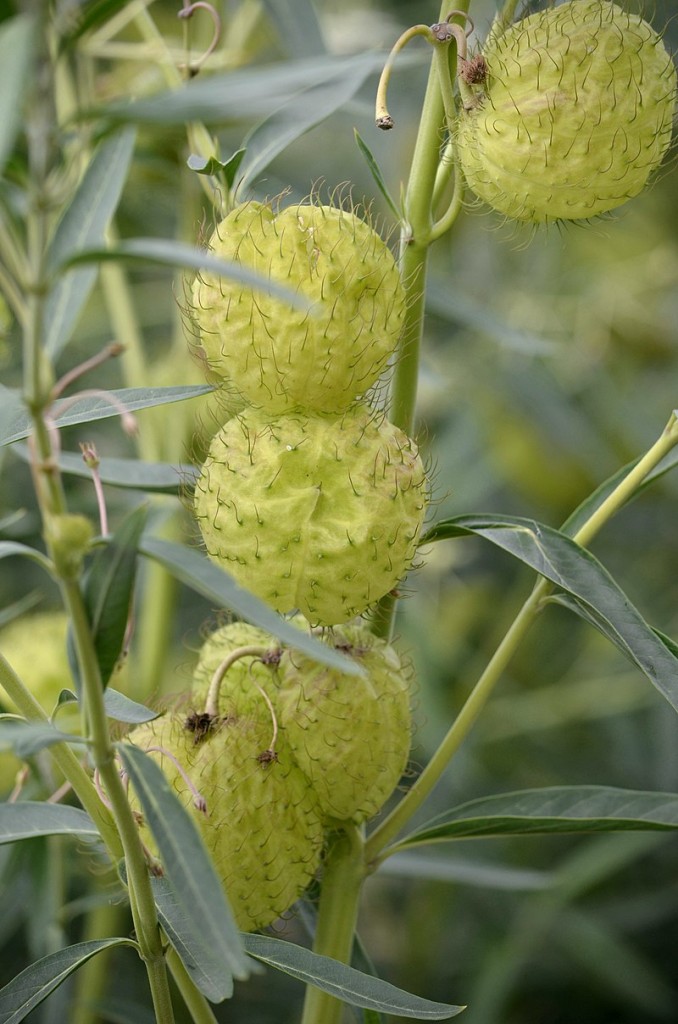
(12, 547)
(292, 120)
(180, 254)
(89, 16)
(375, 171)
(344, 982)
(88, 408)
(27, 819)
(134, 474)
(551, 811)
(593, 592)
(296, 25)
(28, 738)
(239, 95)
(18, 608)
(197, 891)
(83, 226)
(29, 988)
(17, 39)
(108, 590)
(416, 863)
(217, 585)
(455, 307)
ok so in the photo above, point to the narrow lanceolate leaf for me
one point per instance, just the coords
(292, 120)
(28, 819)
(296, 25)
(224, 172)
(12, 547)
(194, 569)
(180, 254)
(344, 982)
(83, 226)
(592, 592)
(28, 738)
(29, 988)
(550, 811)
(197, 890)
(202, 963)
(375, 171)
(17, 37)
(68, 412)
(132, 474)
(109, 588)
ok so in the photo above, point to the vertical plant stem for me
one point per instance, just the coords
(335, 930)
(197, 1005)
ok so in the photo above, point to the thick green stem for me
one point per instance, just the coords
(197, 1005)
(337, 917)
(481, 692)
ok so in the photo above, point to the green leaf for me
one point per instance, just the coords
(197, 890)
(28, 738)
(590, 504)
(181, 254)
(224, 172)
(134, 474)
(27, 819)
(203, 965)
(593, 592)
(551, 811)
(218, 586)
(88, 408)
(29, 988)
(344, 982)
(17, 39)
(12, 547)
(292, 120)
(416, 863)
(108, 590)
(238, 96)
(123, 709)
(375, 171)
(83, 226)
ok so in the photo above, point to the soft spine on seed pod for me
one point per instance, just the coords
(575, 113)
(349, 735)
(315, 513)
(261, 822)
(282, 358)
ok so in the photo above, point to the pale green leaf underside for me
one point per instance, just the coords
(134, 474)
(28, 738)
(16, 48)
(344, 982)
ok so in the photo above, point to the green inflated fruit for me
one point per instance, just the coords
(349, 734)
(319, 514)
(575, 114)
(282, 358)
(262, 825)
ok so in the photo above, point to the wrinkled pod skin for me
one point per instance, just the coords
(281, 358)
(314, 513)
(575, 114)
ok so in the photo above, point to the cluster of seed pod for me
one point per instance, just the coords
(308, 496)
(313, 501)
(277, 749)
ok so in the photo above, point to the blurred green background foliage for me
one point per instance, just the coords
(551, 359)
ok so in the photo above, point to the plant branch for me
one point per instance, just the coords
(485, 685)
